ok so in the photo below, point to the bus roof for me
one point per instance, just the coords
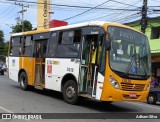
(91, 23)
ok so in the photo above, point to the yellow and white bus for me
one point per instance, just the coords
(100, 60)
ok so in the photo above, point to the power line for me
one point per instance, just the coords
(132, 15)
(5, 10)
(86, 10)
(156, 1)
(123, 3)
(8, 18)
(119, 13)
(81, 7)
(75, 6)
(122, 16)
(153, 6)
(8, 11)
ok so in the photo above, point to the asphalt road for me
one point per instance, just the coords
(14, 100)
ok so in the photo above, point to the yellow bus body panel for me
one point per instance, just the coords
(109, 93)
(28, 64)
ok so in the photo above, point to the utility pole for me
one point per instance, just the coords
(144, 16)
(22, 12)
(18, 20)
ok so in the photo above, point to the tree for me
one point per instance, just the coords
(18, 28)
(1, 42)
(5, 49)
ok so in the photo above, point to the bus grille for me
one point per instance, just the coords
(132, 87)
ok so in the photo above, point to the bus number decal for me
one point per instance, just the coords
(70, 69)
(126, 81)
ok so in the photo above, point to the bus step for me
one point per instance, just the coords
(38, 86)
(83, 92)
(85, 95)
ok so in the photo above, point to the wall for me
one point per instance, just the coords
(154, 43)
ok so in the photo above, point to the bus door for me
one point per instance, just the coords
(88, 68)
(40, 54)
(99, 57)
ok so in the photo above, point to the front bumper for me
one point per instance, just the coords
(119, 95)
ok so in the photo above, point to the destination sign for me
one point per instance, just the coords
(121, 32)
(127, 35)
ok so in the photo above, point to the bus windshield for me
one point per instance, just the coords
(130, 52)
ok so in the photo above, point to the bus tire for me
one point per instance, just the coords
(151, 99)
(23, 81)
(70, 92)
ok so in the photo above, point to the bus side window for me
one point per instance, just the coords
(21, 49)
(77, 36)
(15, 46)
(69, 44)
(67, 37)
(27, 46)
(52, 46)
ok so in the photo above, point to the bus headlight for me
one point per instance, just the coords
(114, 82)
(148, 87)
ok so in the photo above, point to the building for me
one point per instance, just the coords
(57, 23)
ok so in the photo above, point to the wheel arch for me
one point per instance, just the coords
(67, 77)
(20, 71)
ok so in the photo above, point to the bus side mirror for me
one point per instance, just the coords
(107, 45)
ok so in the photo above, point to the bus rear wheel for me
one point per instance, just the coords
(23, 81)
(70, 92)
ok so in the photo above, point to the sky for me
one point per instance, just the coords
(121, 11)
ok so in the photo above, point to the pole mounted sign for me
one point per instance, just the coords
(43, 14)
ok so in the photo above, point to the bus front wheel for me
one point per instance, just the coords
(70, 92)
(23, 81)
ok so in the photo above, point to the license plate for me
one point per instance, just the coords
(132, 95)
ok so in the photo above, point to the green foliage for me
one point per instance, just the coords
(1, 42)
(5, 50)
(18, 28)
(3, 46)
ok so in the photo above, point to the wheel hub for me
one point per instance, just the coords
(70, 92)
(22, 81)
(151, 98)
